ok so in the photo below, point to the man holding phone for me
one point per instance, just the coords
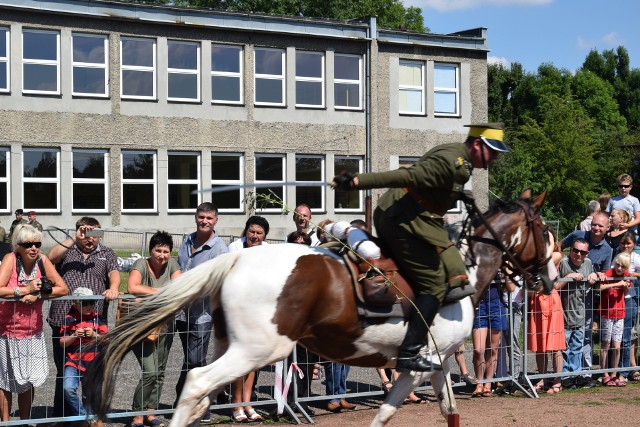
(99, 272)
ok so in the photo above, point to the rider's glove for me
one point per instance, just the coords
(467, 197)
(344, 181)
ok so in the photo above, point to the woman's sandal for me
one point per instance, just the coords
(554, 389)
(540, 386)
(610, 383)
(469, 380)
(239, 416)
(478, 392)
(635, 376)
(317, 375)
(253, 415)
(386, 387)
(620, 383)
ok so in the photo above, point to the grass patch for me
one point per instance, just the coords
(627, 400)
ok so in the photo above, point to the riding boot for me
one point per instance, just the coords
(409, 357)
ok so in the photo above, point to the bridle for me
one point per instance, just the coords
(510, 264)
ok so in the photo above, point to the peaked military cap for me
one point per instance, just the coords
(491, 134)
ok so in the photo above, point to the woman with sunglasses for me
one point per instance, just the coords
(23, 352)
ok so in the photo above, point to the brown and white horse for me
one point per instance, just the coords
(267, 298)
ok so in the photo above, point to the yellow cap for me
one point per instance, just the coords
(491, 134)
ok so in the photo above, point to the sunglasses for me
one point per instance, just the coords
(579, 252)
(28, 245)
(624, 185)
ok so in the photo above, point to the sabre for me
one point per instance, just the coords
(261, 185)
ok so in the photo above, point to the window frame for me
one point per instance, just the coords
(196, 181)
(55, 180)
(7, 178)
(186, 71)
(104, 66)
(153, 69)
(321, 79)
(348, 81)
(456, 90)
(283, 158)
(7, 59)
(239, 182)
(320, 182)
(147, 181)
(47, 62)
(104, 181)
(411, 88)
(237, 75)
(360, 208)
(281, 77)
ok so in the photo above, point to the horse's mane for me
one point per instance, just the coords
(499, 205)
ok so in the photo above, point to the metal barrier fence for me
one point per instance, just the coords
(363, 385)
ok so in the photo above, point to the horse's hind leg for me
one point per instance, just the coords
(405, 383)
(441, 382)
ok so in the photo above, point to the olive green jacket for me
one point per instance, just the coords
(438, 177)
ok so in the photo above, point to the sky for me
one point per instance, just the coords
(533, 32)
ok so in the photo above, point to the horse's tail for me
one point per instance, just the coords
(203, 281)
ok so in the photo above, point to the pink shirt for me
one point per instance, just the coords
(17, 319)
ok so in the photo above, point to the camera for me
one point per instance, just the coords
(94, 232)
(46, 287)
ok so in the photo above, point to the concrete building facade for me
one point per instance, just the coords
(120, 111)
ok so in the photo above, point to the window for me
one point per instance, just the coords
(269, 77)
(411, 97)
(347, 78)
(184, 71)
(227, 169)
(309, 79)
(446, 88)
(270, 169)
(183, 179)
(138, 181)
(90, 72)
(4, 60)
(348, 200)
(4, 178)
(41, 179)
(89, 182)
(138, 68)
(41, 62)
(226, 74)
(310, 170)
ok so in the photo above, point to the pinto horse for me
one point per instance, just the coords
(267, 298)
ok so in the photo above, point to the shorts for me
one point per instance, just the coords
(491, 313)
(611, 330)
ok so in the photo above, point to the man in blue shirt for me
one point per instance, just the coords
(600, 254)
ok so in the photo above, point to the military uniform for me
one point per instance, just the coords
(409, 217)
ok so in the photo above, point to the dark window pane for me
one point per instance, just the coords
(311, 196)
(40, 164)
(89, 196)
(347, 67)
(308, 65)
(3, 195)
(183, 167)
(269, 168)
(88, 165)
(180, 196)
(226, 199)
(88, 49)
(308, 168)
(309, 93)
(347, 199)
(183, 86)
(225, 59)
(183, 56)
(268, 193)
(3, 42)
(137, 166)
(268, 62)
(137, 83)
(347, 95)
(225, 88)
(137, 196)
(4, 84)
(88, 80)
(3, 164)
(268, 90)
(40, 77)
(42, 46)
(39, 195)
(137, 52)
(225, 167)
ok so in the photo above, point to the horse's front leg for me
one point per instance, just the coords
(405, 384)
(441, 382)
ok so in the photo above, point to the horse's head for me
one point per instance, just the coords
(516, 229)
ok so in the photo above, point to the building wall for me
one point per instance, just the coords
(68, 123)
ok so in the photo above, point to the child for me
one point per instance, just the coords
(612, 312)
(79, 334)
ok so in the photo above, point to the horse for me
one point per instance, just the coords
(267, 298)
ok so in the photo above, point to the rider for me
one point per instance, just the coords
(409, 220)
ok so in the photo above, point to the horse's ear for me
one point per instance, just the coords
(537, 204)
(526, 194)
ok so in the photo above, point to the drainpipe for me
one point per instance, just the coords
(372, 32)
